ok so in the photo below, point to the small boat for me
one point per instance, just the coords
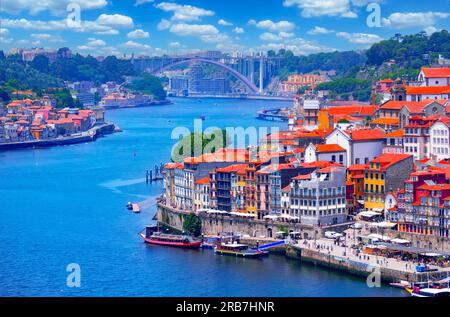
(239, 250)
(136, 208)
(172, 240)
(401, 284)
(429, 292)
(203, 118)
(129, 206)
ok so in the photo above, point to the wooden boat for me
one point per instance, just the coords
(172, 240)
(238, 250)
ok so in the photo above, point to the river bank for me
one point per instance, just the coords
(88, 136)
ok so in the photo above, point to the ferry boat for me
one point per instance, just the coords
(171, 240)
(428, 292)
(238, 250)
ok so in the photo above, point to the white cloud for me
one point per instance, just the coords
(224, 23)
(286, 34)
(360, 38)
(164, 24)
(252, 22)
(184, 12)
(284, 26)
(4, 38)
(184, 29)
(58, 25)
(269, 37)
(92, 45)
(138, 34)
(96, 43)
(400, 20)
(47, 37)
(56, 7)
(316, 8)
(430, 30)
(174, 45)
(238, 30)
(136, 46)
(141, 2)
(115, 20)
(298, 46)
(319, 30)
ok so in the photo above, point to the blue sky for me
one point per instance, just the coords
(154, 27)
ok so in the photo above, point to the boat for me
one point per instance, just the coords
(129, 206)
(171, 240)
(238, 250)
(401, 284)
(428, 292)
(136, 208)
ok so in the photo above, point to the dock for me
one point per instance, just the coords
(154, 175)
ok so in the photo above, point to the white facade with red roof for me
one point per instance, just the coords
(439, 145)
(434, 76)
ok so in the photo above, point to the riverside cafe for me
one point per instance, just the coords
(401, 249)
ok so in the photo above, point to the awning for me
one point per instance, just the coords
(383, 224)
(400, 241)
(271, 217)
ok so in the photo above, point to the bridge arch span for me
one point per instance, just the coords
(230, 70)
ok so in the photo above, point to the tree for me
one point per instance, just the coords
(149, 84)
(40, 63)
(192, 225)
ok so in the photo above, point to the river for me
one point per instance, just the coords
(66, 205)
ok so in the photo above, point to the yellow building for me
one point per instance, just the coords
(385, 173)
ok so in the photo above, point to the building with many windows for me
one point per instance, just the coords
(386, 173)
(319, 198)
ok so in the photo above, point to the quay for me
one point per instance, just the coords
(310, 248)
(90, 135)
(274, 115)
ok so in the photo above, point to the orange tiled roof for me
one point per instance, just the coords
(329, 148)
(396, 134)
(436, 72)
(432, 90)
(366, 134)
(203, 181)
(397, 105)
(362, 110)
(358, 167)
(386, 121)
(171, 166)
(386, 160)
(233, 168)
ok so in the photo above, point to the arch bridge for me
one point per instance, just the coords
(248, 83)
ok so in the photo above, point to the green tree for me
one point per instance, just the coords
(192, 225)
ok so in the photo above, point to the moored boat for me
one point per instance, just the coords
(429, 292)
(171, 240)
(239, 250)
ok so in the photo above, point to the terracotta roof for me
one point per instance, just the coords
(385, 121)
(237, 168)
(436, 72)
(365, 134)
(397, 105)
(303, 177)
(358, 167)
(170, 166)
(386, 80)
(436, 187)
(360, 110)
(203, 181)
(396, 134)
(328, 148)
(432, 90)
(386, 160)
(222, 155)
(319, 164)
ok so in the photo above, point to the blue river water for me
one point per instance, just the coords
(66, 205)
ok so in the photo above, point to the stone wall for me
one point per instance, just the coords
(348, 266)
(214, 224)
(421, 241)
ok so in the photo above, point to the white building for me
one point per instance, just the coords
(361, 145)
(434, 76)
(325, 152)
(201, 195)
(319, 198)
(439, 141)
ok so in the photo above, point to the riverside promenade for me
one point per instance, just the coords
(326, 252)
